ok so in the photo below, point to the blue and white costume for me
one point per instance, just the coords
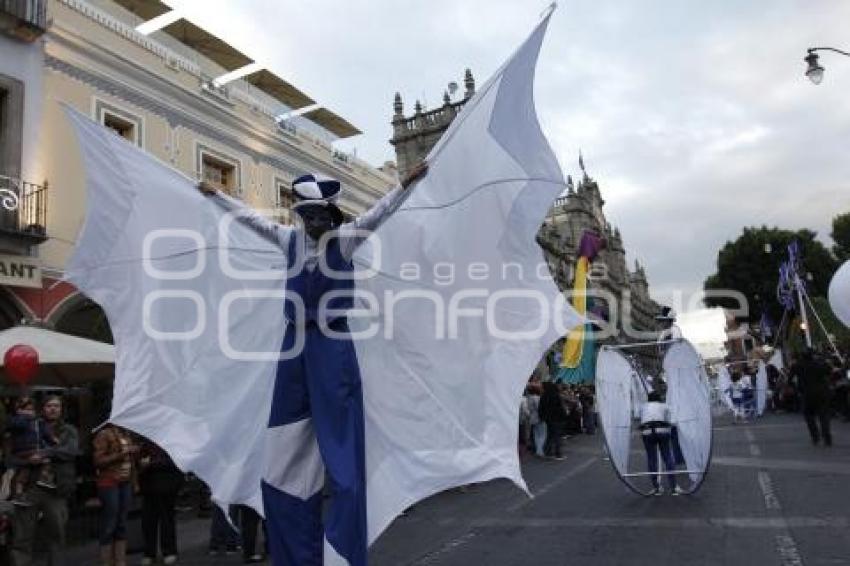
(317, 404)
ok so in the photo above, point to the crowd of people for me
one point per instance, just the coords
(816, 384)
(42, 454)
(551, 412)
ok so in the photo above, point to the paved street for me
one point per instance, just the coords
(771, 499)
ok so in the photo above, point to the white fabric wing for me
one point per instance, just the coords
(690, 405)
(641, 387)
(152, 255)
(615, 381)
(761, 389)
(724, 387)
(839, 293)
(444, 376)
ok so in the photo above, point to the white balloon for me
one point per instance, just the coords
(839, 293)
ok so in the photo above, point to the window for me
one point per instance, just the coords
(598, 272)
(11, 125)
(120, 126)
(285, 200)
(219, 173)
(218, 169)
(122, 122)
(3, 121)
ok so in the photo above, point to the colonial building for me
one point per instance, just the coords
(578, 210)
(167, 90)
(581, 210)
(414, 137)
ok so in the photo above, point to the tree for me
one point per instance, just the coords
(841, 236)
(745, 266)
(794, 339)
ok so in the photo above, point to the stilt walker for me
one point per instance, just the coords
(317, 405)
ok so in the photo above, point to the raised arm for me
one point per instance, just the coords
(354, 233)
(275, 233)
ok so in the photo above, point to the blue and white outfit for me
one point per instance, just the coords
(317, 405)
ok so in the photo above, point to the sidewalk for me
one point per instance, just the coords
(192, 543)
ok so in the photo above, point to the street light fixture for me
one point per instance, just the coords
(814, 70)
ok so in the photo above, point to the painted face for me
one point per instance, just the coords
(317, 220)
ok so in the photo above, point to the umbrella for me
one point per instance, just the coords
(64, 360)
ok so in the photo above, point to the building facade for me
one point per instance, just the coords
(624, 297)
(414, 136)
(580, 209)
(161, 92)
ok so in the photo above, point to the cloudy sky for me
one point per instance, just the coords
(694, 116)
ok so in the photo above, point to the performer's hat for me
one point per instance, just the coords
(315, 190)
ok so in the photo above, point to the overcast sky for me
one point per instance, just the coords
(694, 116)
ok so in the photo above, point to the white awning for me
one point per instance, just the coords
(64, 360)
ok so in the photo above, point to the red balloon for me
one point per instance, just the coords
(21, 363)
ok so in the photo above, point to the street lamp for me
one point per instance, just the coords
(814, 70)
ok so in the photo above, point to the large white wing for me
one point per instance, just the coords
(690, 405)
(152, 254)
(839, 293)
(761, 388)
(724, 386)
(444, 375)
(615, 380)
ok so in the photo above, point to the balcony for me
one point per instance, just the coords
(23, 213)
(23, 19)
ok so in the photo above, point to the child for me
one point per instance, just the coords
(28, 437)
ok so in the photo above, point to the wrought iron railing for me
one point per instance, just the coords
(23, 207)
(28, 17)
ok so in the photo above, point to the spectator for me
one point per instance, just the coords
(588, 410)
(813, 381)
(223, 537)
(788, 397)
(773, 383)
(737, 395)
(574, 412)
(49, 503)
(840, 387)
(114, 452)
(249, 520)
(749, 394)
(538, 425)
(2, 433)
(524, 424)
(29, 438)
(160, 481)
(553, 414)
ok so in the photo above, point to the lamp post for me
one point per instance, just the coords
(814, 70)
